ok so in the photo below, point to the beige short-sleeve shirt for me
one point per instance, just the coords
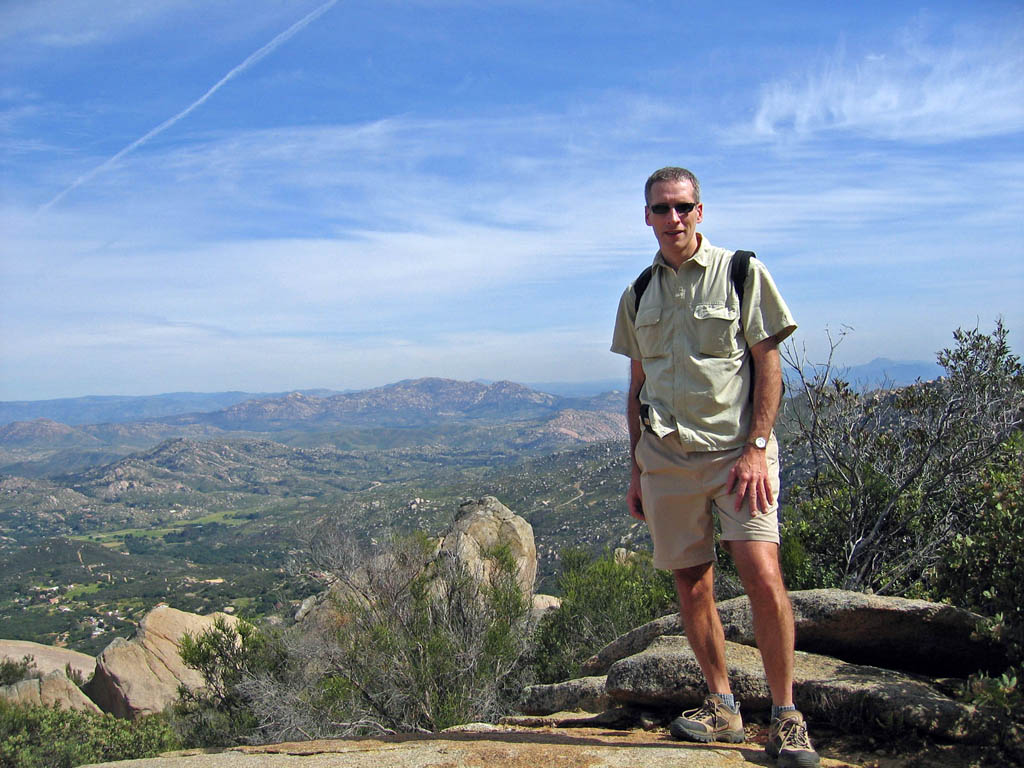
(692, 336)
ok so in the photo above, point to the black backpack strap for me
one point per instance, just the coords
(738, 268)
(640, 285)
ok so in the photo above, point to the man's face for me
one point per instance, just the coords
(676, 232)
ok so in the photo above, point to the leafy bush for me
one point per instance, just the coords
(12, 671)
(76, 676)
(421, 643)
(879, 502)
(226, 655)
(602, 598)
(1001, 692)
(982, 568)
(41, 737)
(414, 642)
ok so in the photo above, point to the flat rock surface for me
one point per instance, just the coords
(508, 748)
(48, 658)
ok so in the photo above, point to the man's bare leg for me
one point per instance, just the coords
(696, 590)
(758, 565)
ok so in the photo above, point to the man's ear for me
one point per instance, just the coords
(647, 215)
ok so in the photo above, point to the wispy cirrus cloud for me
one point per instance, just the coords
(918, 91)
(249, 61)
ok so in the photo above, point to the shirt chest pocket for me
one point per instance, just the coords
(650, 332)
(717, 326)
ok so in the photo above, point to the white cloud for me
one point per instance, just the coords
(72, 23)
(919, 91)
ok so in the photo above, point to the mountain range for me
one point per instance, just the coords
(375, 418)
(109, 409)
(208, 508)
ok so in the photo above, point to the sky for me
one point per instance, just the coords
(266, 195)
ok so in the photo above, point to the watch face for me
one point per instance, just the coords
(760, 442)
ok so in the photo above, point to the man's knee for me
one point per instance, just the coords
(759, 569)
(695, 583)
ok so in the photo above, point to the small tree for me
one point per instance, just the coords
(411, 641)
(601, 599)
(878, 502)
(983, 567)
(227, 656)
(420, 642)
(12, 671)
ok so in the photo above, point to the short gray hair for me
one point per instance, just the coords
(671, 173)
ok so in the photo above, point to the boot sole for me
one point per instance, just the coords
(794, 761)
(681, 733)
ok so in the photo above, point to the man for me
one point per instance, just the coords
(701, 444)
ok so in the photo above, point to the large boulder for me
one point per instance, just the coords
(854, 697)
(52, 690)
(586, 693)
(633, 641)
(542, 604)
(141, 676)
(481, 527)
(48, 658)
(485, 525)
(891, 632)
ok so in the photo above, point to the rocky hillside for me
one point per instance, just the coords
(406, 403)
(522, 416)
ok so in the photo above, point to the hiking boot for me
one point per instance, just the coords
(712, 721)
(788, 742)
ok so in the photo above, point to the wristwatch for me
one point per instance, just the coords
(759, 442)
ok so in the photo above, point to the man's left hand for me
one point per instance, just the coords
(749, 478)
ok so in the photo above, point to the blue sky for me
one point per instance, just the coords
(269, 195)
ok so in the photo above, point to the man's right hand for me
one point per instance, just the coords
(634, 500)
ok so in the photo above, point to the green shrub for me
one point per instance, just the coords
(41, 737)
(414, 643)
(879, 498)
(1001, 692)
(601, 599)
(227, 656)
(983, 567)
(425, 648)
(12, 671)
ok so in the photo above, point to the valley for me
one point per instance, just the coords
(204, 516)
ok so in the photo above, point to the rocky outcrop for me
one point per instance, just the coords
(892, 632)
(482, 527)
(652, 670)
(485, 525)
(541, 604)
(631, 642)
(48, 658)
(667, 675)
(52, 690)
(587, 693)
(141, 676)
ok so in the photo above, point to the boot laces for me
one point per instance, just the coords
(706, 713)
(793, 735)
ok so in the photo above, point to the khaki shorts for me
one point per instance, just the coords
(680, 489)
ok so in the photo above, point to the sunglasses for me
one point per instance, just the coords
(681, 208)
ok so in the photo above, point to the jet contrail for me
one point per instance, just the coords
(252, 59)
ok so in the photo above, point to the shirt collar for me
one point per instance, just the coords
(700, 257)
